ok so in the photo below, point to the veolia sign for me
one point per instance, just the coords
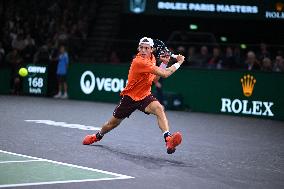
(89, 82)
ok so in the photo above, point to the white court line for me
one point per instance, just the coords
(66, 125)
(23, 161)
(59, 182)
(118, 176)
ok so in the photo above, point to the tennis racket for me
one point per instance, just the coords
(161, 48)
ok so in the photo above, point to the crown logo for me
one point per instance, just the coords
(279, 6)
(248, 82)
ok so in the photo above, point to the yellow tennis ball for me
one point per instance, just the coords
(23, 72)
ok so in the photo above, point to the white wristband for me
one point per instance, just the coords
(163, 66)
(176, 65)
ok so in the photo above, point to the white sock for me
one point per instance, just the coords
(166, 134)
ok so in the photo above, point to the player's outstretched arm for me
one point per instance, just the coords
(165, 60)
(169, 71)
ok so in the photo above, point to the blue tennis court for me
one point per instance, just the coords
(41, 147)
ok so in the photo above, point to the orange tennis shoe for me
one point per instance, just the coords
(173, 141)
(90, 139)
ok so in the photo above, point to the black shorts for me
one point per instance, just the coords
(61, 78)
(127, 106)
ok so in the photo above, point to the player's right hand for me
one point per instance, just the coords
(180, 59)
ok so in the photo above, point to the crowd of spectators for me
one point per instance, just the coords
(232, 57)
(31, 29)
(31, 32)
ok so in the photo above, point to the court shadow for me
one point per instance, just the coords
(147, 161)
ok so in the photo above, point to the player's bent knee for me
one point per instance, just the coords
(160, 108)
(154, 108)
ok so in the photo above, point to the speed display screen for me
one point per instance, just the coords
(35, 82)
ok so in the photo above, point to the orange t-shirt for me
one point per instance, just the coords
(140, 77)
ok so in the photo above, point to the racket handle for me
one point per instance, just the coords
(174, 55)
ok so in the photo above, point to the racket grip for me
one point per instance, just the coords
(174, 55)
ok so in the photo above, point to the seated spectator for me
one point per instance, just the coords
(239, 58)
(180, 50)
(52, 68)
(203, 56)
(2, 55)
(263, 53)
(19, 43)
(215, 61)
(229, 60)
(266, 65)
(278, 64)
(114, 59)
(251, 62)
(29, 41)
(62, 36)
(30, 49)
(14, 60)
(192, 58)
(41, 56)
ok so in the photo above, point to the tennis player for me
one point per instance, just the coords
(137, 94)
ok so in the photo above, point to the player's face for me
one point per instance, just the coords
(145, 50)
(165, 57)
